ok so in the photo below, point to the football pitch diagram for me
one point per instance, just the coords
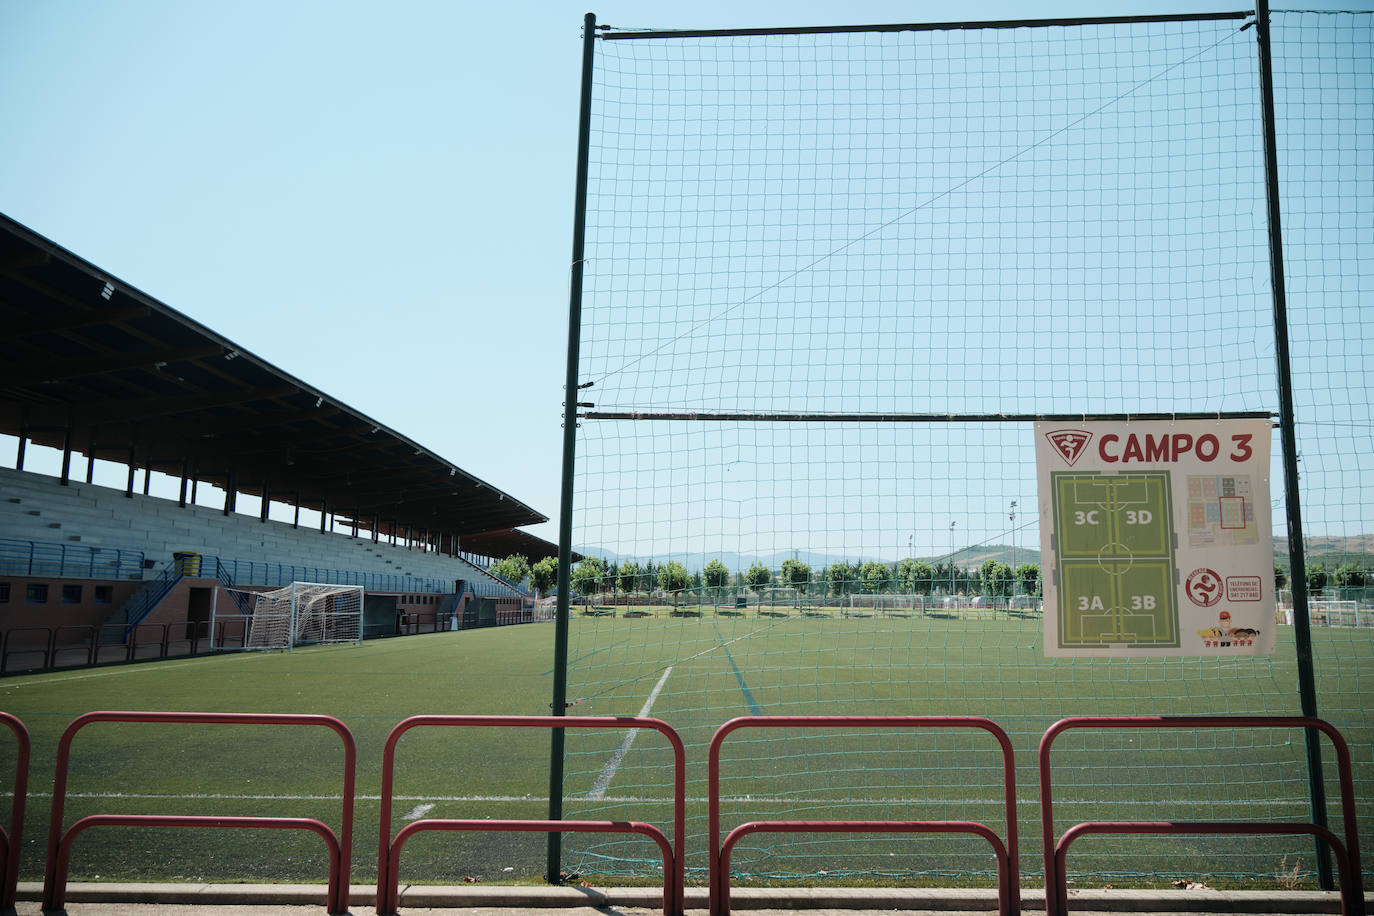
(1114, 550)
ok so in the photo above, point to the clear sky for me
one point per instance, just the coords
(375, 197)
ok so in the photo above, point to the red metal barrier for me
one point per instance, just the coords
(389, 850)
(1008, 876)
(1207, 828)
(59, 843)
(11, 844)
(91, 645)
(1348, 855)
(133, 645)
(6, 649)
(218, 642)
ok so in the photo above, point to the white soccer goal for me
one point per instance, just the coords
(300, 614)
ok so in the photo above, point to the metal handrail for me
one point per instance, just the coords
(1056, 879)
(11, 844)
(22, 557)
(59, 842)
(388, 850)
(1008, 872)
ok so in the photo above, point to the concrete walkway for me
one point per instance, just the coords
(108, 899)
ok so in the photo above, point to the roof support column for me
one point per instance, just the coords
(296, 501)
(147, 474)
(181, 493)
(324, 515)
(133, 467)
(66, 475)
(231, 491)
(376, 528)
(266, 501)
(23, 447)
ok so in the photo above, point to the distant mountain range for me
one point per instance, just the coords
(1332, 551)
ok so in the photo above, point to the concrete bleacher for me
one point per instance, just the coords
(37, 507)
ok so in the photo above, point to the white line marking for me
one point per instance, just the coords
(663, 800)
(603, 781)
(50, 677)
(419, 811)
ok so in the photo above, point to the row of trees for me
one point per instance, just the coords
(906, 577)
(1347, 575)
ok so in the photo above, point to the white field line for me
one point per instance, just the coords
(46, 678)
(419, 811)
(665, 800)
(603, 781)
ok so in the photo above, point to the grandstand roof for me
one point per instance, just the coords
(89, 361)
(512, 541)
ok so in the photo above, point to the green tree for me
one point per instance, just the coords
(627, 576)
(513, 568)
(840, 578)
(1028, 574)
(995, 578)
(876, 577)
(1316, 578)
(1349, 575)
(796, 574)
(673, 576)
(716, 574)
(758, 577)
(544, 575)
(906, 577)
(923, 578)
(588, 576)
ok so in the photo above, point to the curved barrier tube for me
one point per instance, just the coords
(393, 893)
(338, 880)
(673, 881)
(1009, 884)
(55, 896)
(1004, 863)
(1206, 828)
(1056, 881)
(12, 843)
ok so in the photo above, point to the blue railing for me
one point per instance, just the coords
(68, 561)
(142, 602)
(493, 590)
(251, 572)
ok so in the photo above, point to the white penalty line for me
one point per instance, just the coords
(603, 781)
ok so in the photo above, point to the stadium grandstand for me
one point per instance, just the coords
(98, 372)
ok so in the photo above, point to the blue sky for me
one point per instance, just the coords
(375, 197)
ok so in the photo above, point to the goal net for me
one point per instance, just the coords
(302, 613)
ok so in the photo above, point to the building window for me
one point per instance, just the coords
(104, 594)
(36, 593)
(4, 593)
(71, 594)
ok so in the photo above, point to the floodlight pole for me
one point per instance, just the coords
(1302, 630)
(570, 390)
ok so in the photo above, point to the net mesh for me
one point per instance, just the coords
(1065, 219)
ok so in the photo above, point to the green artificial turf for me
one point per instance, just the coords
(722, 667)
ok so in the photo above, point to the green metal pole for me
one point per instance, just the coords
(1302, 630)
(570, 388)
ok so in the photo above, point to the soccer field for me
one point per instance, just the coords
(695, 673)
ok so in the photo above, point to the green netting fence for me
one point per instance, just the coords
(819, 267)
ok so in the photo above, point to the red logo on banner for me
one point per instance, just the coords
(1203, 588)
(1069, 443)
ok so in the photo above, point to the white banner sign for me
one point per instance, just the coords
(1156, 538)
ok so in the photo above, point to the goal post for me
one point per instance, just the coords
(299, 614)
